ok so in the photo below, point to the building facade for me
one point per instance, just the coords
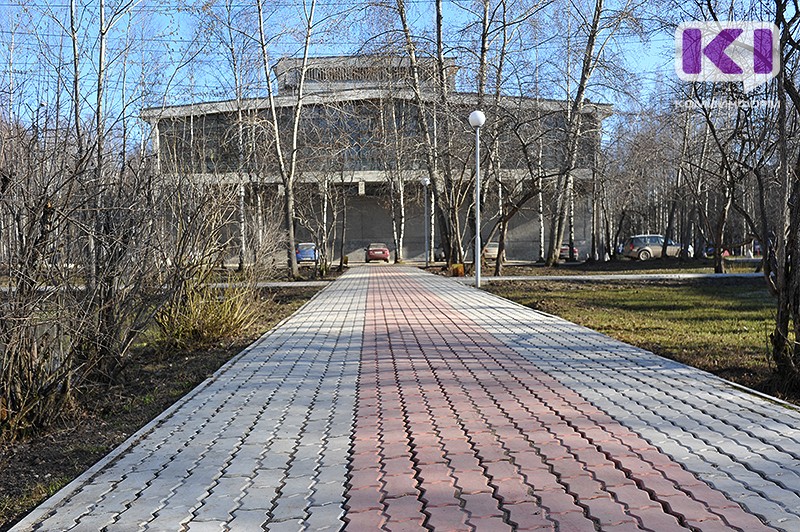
(362, 152)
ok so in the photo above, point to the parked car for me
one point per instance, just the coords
(376, 251)
(644, 247)
(490, 250)
(306, 252)
(563, 253)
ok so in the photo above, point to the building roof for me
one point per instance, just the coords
(331, 80)
(459, 99)
(328, 74)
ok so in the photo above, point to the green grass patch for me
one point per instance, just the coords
(626, 266)
(718, 325)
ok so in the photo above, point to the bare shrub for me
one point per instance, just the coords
(204, 314)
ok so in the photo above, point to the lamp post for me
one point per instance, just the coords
(425, 182)
(476, 120)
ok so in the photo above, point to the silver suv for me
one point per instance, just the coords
(643, 247)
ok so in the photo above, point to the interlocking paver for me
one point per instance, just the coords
(495, 524)
(205, 526)
(371, 520)
(449, 517)
(406, 401)
(327, 517)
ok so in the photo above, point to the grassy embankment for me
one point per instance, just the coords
(718, 325)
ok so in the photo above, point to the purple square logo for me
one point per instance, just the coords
(746, 51)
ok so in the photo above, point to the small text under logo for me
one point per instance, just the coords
(746, 51)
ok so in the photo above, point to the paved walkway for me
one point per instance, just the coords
(399, 400)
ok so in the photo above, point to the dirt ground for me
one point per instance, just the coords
(104, 417)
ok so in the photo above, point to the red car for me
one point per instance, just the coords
(563, 253)
(377, 251)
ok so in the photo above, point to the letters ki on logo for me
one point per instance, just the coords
(744, 51)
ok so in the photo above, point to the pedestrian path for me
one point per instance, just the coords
(400, 400)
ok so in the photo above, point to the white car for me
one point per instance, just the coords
(490, 250)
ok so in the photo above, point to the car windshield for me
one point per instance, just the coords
(377, 246)
(306, 247)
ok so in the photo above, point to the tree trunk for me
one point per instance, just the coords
(574, 124)
(240, 215)
(673, 206)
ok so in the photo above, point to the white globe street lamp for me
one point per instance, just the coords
(476, 120)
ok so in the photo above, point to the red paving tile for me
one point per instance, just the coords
(528, 516)
(450, 517)
(472, 481)
(435, 473)
(364, 499)
(453, 427)
(406, 508)
(405, 526)
(574, 521)
(399, 485)
(464, 462)
(432, 455)
(365, 478)
(358, 522)
(440, 495)
(657, 520)
(482, 505)
(500, 471)
(487, 524)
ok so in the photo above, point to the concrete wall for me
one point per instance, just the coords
(369, 220)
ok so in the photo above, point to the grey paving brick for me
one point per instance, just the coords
(327, 517)
(290, 507)
(774, 514)
(328, 493)
(217, 507)
(274, 460)
(308, 452)
(300, 485)
(141, 511)
(95, 521)
(337, 443)
(258, 498)
(734, 488)
(112, 504)
(206, 526)
(171, 517)
(289, 525)
(248, 520)
(333, 473)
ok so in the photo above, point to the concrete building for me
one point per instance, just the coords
(361, 152)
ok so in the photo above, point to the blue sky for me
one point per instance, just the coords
(165, 32)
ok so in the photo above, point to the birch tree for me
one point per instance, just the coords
(287, 157)
(785, 276)
(598, 33)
